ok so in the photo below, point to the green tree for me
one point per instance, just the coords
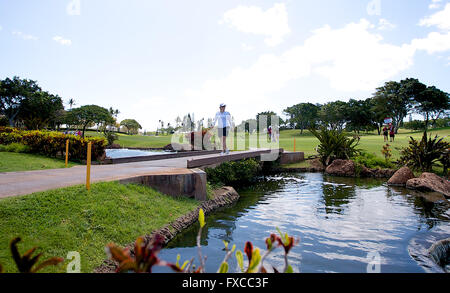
(87, 115)
(334, 115)
(396, 99)
(360, 115)
(131, 125)
(303, 115)
(269, 115)
(40, 110)
(432, 103)
(71, 103)
(12, 93)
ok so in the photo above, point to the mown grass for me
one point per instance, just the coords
(13, 162)
(73, 219)
(306, 142)
(137, 140)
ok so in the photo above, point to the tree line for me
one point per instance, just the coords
(24, 104)
(394, 100)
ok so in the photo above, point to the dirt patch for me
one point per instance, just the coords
(224, 196)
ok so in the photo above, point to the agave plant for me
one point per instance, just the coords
(334, 145)
(424, 154)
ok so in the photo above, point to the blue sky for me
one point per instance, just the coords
(158, 60)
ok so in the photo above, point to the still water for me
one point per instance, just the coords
(339, 221)
(126, 153)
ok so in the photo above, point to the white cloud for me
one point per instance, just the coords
(434, 43)
(247, 47)
(384, 24)
(62, 41)
(24, 36)
(272, 23)
(352, 58)
(435, 4)
(440, 19)
(1, 27)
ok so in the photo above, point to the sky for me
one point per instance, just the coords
(156, 60)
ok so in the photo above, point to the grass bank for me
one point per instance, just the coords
(72, 219)
(13, 162)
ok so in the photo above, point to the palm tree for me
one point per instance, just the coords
(71, 103)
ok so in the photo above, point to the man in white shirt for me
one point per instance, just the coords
(224, 124)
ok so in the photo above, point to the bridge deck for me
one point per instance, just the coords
(26, 182)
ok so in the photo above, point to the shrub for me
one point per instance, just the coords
(232, 173)
(145, 255)
(111, 137)
(334, 145)
(372, 161)
(205, 140)
(15, 148)
(51, 144)
(424, 154)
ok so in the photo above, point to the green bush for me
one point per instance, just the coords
(233, 173)
(111, 137)
(334, 145)
(15, 148)
(51, 143)
(372, 161)
(424, 154)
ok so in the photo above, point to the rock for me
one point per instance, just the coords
(114, 146)
(440, 253)
(344, 168)
(177, 147)
(317, 165)
(430, 182)
(401, 177)
(382, 173)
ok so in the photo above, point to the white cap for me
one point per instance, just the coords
(222, 105)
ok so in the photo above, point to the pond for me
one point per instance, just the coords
(341, 224)
(127, 153)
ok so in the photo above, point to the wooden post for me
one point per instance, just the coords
(67, 153)
(88, 167)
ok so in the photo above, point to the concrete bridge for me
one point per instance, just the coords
(177, 175)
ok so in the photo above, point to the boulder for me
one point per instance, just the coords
(401, 177)
(382, 173)
(344, 168)
(317, 165)
(430, 182)
(177, 147)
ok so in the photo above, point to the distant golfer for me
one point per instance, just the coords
(386, 134)
(224, 119)
(392, 132)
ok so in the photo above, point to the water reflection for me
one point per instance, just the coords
(339, 221)
(223, 221)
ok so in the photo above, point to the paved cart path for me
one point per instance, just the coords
(26, 182)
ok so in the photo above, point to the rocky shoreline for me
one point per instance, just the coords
(341, 168)
(223, 197)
